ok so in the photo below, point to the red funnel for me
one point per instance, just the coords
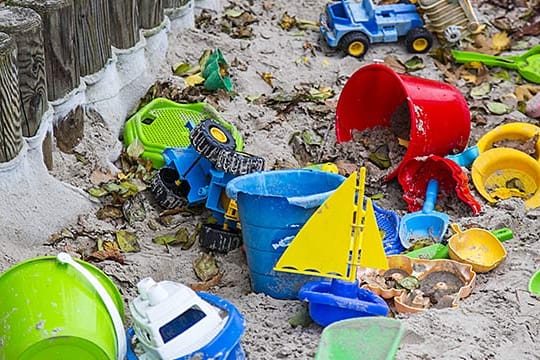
(439, 115)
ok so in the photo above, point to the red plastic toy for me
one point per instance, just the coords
(415, 174)
(439, 115)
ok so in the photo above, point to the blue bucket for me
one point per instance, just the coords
(273, 206)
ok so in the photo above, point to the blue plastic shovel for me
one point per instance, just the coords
(425, 224)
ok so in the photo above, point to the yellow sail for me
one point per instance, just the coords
(338, 237)
(322, 245)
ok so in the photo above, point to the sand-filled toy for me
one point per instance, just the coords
(438, 118)
(503, 173)
(425, 224)
(477, 247)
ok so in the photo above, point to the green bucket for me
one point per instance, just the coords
(365, 338)
(59, 308)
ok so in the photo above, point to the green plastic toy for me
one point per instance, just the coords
(440, 251)
(161, 124)
(534, 284)
(215, 72)
(371, 338)
(526, 64)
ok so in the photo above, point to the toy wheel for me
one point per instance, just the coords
(210, 138)
(214, 238)
(419, 40)
(355, 44)
(238, 163)
(166, 191)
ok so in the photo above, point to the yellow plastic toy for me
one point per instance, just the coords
(512, 131)
(340, 236)
(502, 173)
(476, 247)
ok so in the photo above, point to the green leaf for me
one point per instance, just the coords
(181, 68)
(232, 13)
(481, 90)
(135, 149)
(377, 196)
(127, 241)
(165, 240)
(97, 192)
(310, 137)
(498, 108)
(382, 160)
(503, 74)
(414, 63)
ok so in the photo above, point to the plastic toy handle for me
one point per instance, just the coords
(503, 234)
(465, 158)
(467, 56)
(121, 345)
(431, 196)
(456, 228)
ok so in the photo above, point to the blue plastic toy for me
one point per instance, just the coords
(354, 25)
(334, 300)
(199, 173)
(171, 321)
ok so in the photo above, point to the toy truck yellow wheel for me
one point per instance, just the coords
(355, 44)
(419, 40)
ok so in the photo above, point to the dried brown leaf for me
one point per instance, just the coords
(114, 255)
(205, 286)
(346, 168)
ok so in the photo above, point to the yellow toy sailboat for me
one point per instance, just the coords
(340, 236)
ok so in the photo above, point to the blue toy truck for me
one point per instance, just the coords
(352, 25)
(199, 173)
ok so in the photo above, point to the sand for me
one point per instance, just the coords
(499, 320)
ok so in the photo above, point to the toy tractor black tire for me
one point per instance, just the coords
(355, 44)
(238, 163)
(209, 138)
(418, 40)
(214, 237)
(166, 192)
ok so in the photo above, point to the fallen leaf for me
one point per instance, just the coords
(109, 212)
(498, 108)
(287, 22)
(414, 63)
(195, 79)
(127, 241)
(205, 286)
(307, 25)
(233, 13)
(346, 168)
(468, 77)
(135, 149)
(480, 91)
(500, 41)
(267, 78)
(526, 92)
(102, 255)
(59, 236)
(377, 197)
(97, 192)
(395, 64)
(133, 210)
(181, 68)
(321, 93)
(98, 177)
(311, 137)
(164, 240)
(302, 318)
(205, 267)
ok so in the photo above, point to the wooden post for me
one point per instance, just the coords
(58, 21)
(92, 34)
(174, 4)
(10, 105)
(24, 26)
(150, 13)
(124, 22)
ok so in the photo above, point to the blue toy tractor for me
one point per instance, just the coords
(352, 25)
(199, 174)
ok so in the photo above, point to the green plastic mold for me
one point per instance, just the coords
(161, 124)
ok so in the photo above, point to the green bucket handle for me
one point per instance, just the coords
(121, 345)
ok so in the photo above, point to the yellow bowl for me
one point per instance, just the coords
(513, 131)
(476, 247)
(502, 173)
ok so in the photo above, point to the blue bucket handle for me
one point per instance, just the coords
(309, 201)
(465, 158)
(431, 196)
